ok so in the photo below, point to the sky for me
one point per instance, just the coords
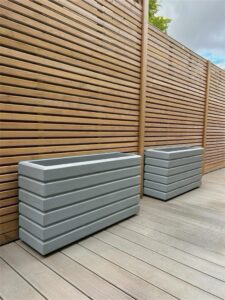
(199, 25)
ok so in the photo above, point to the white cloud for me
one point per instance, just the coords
(199, 25)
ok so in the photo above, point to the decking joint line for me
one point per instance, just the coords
(174, 246)
(185, 222)
(133, 274)
(112, 284)
(208, 249)
(73, 285)
(160, 269)
(27, 281)
(142, 246)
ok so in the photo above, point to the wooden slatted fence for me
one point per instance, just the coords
(175, 92)
(73, 82)
(215, 130)
(70, 80)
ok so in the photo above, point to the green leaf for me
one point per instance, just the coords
(160, 22)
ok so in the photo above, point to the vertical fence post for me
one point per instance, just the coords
(204, 140)
(144, 49)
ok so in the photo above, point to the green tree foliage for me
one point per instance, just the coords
(157, 21)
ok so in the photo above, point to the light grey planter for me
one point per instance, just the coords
(171, 171)
(65, 199)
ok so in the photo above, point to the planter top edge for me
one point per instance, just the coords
(174, 149)
(78, 160)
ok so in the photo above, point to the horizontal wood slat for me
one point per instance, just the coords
(70, 84)
(215, 131)
(175, 93)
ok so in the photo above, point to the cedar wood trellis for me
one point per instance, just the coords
(92, 76)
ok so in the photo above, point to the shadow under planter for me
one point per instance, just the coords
(171, 171)
(62, 200)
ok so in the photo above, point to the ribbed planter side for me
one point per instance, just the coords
(65, 199)
(171, 171)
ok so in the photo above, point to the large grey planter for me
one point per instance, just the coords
(65, 199)
(171, 171)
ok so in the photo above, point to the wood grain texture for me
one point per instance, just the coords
(144, 60)
(176, 82)
(70, 85)
(83, 77)
(215, 129)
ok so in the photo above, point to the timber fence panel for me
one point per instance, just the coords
(73, 81)
(215, 131)
(70, 84)
(176, 86)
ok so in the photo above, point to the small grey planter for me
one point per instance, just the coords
(65, 199)
(171, 171)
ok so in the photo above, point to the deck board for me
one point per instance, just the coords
(171, 250)
(13, 286)
(79, 276)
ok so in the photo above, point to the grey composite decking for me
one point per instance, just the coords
(171, 250)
